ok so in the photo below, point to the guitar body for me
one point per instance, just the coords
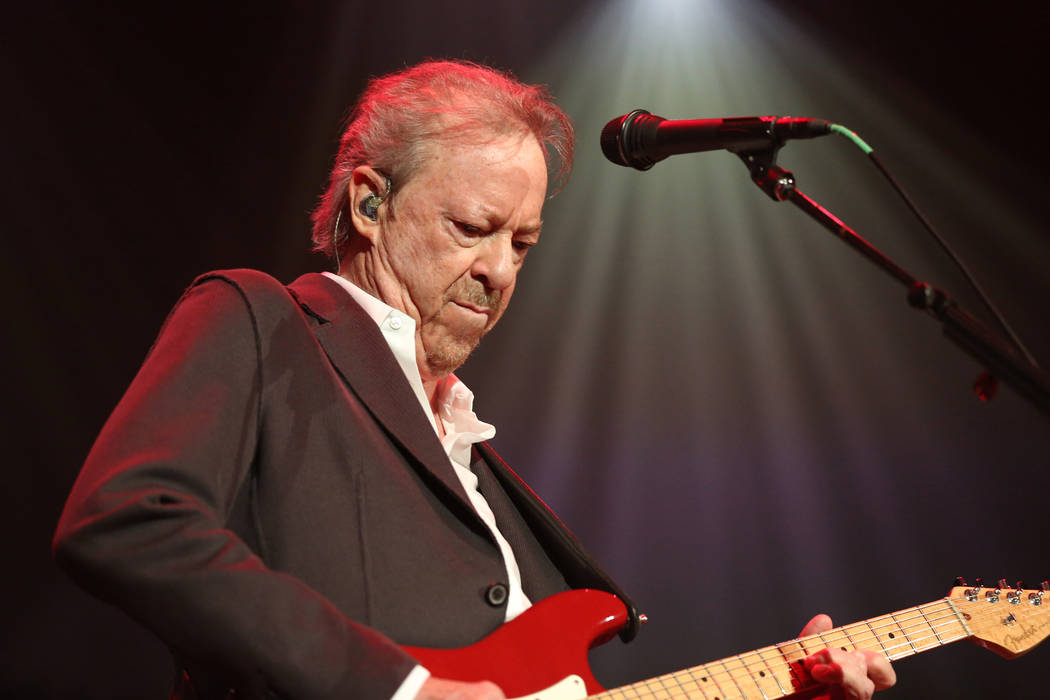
(542, 653)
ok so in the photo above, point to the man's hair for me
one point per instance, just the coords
(399, 114)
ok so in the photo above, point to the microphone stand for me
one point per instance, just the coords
(987, 346)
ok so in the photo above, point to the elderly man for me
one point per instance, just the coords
(296, 484)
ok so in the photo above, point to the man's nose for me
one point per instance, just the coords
(496, 265)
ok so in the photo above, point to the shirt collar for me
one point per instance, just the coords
(455, 401)
(378, 310)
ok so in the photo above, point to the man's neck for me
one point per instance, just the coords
(358, 272)
(430, 390)
(355, 271)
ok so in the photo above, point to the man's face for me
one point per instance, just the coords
(451, 247)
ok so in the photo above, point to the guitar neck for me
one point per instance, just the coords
(776, 671)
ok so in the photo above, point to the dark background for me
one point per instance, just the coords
(746, 424)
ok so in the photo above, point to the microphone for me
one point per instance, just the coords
(640, 139)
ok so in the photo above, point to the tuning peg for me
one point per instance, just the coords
(979, 582)
(1020, 585)
(971, 593)
(1045, 585)
(960, 581)
(1001, 584)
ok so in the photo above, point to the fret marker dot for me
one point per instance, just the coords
(891, 636)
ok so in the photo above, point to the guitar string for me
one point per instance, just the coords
(683, 691)
(907, 621)
(747, 666)
(906, 616)
(903, 623)
(936, 625)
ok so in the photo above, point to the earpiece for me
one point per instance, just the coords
(370, 206)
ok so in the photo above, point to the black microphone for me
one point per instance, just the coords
(640, 139)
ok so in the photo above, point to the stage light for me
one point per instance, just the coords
(711, 358)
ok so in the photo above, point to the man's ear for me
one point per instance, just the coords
(366, 192)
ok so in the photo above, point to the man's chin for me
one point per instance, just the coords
(445, 358)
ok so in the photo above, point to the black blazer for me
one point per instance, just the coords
(270, 500)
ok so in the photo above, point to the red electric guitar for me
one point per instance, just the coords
(542, 654)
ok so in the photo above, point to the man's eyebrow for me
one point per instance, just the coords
(531, 228)
(492, 215)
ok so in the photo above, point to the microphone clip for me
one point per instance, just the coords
(775, 181)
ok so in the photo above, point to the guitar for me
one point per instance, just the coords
(542, 654)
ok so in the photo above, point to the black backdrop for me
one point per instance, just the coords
(145, 145)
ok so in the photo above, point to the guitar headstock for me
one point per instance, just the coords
(1009, 620)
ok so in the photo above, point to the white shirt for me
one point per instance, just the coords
(462, 428)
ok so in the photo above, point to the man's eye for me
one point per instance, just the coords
(467, 228)
(523, 246)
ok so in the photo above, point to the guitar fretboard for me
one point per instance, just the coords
(776, 671)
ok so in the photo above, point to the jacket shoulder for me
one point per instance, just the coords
(261, 293)
(245, 280)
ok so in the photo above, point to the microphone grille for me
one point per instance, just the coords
(623, 140)
(610, 140)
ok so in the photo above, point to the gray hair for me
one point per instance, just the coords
(399, 114)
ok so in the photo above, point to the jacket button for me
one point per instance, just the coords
(496, 595)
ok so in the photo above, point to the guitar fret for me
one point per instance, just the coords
(869, 634)
(919, 634)
(694, 682)
(649, 690)
(793, 652)
(663, 687)
(738, 672)
(636, 687)
(679, 686)
(858, 634)
(712, 678)
(698, 682)
(838, 639)
(772, 671)
(932, 628)
(732, 678)
(755, 666)
(886, 632)
(668, 691)
(952, 627)
(904, 632)
(750, 677)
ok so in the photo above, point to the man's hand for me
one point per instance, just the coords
(441, 689)
(856, 674)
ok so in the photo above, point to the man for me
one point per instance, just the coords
(295, 483)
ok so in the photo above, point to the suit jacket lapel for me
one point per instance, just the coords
(565, 551)
(358, 351)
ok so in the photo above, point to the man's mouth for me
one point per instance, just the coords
(480, 310)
